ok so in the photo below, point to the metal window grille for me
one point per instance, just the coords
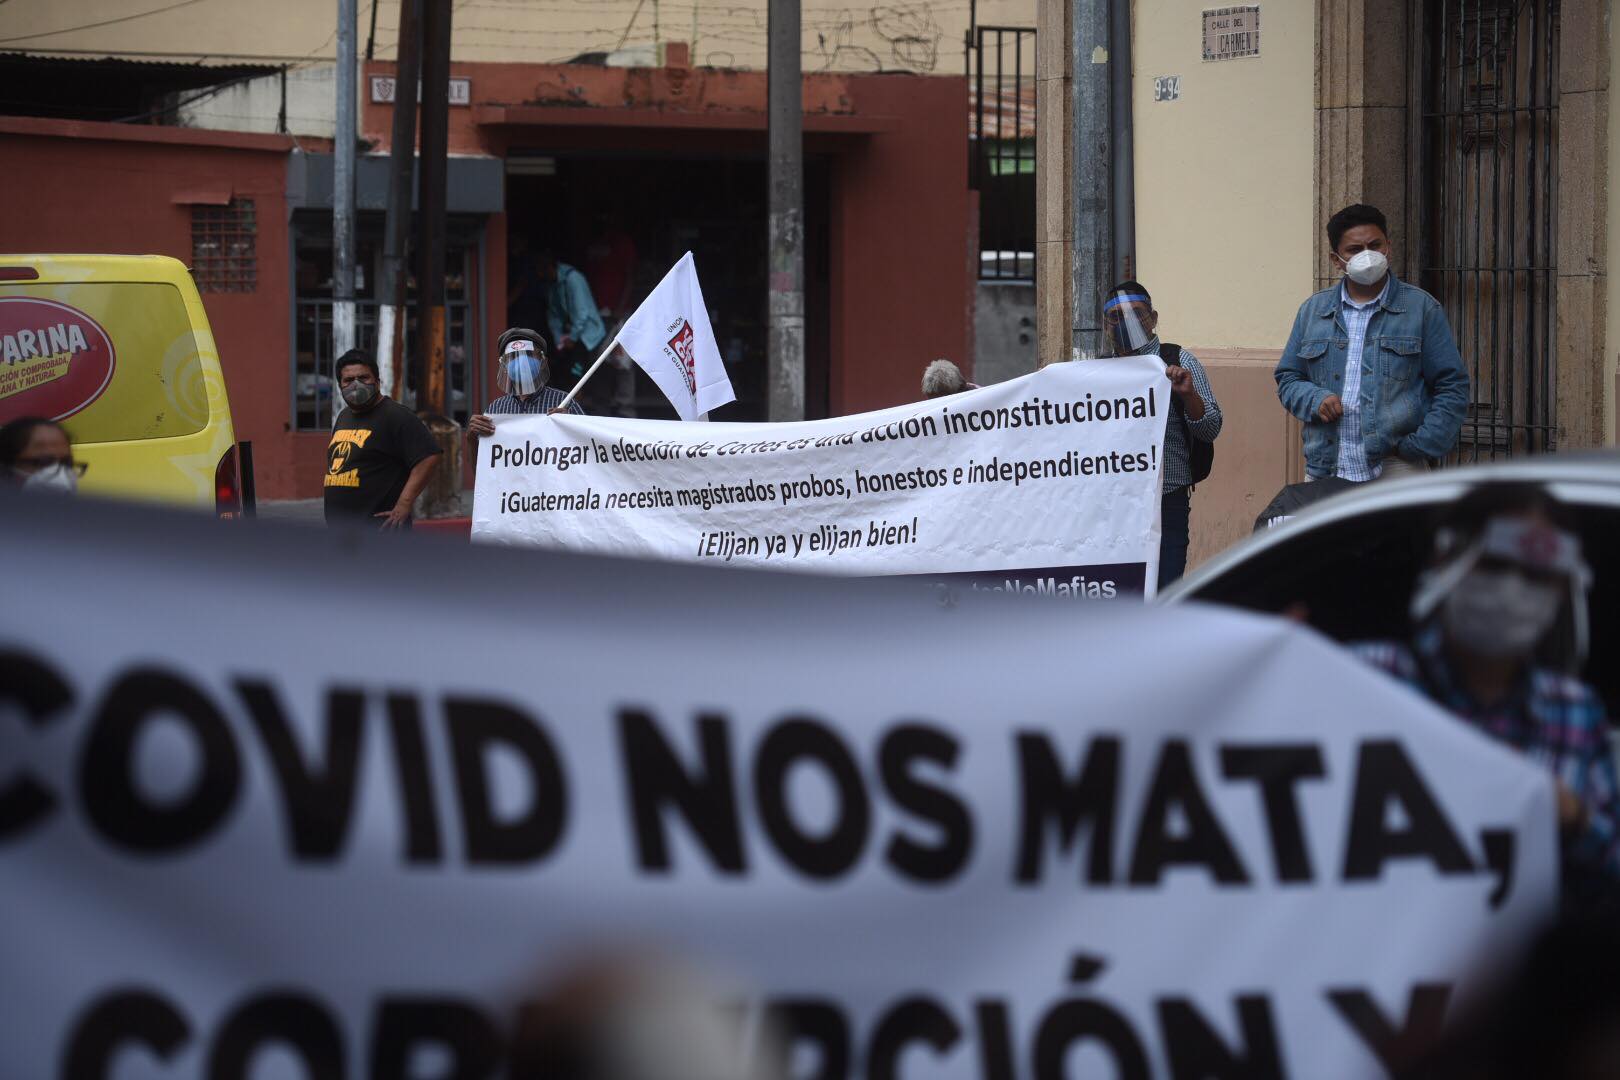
(224, 240)
(1003, 148)
(1485, 148)
(314, 395)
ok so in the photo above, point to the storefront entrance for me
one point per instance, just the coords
(625, 219)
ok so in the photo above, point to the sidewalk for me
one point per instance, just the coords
(312, 511)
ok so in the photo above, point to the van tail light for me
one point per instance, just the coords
(228, 486)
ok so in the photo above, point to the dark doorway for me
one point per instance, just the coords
(624, 220)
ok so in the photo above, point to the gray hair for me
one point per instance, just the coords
(941, 378)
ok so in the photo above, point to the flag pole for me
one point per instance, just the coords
(614, 344)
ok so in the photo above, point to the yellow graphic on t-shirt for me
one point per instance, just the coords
(344, 440)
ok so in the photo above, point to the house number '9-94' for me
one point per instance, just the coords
(1167, 88)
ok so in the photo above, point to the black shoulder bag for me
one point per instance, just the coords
(1200, 454)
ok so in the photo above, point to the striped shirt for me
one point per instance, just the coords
(1353, 463)
(1554, 720)
(547, 399)
(1177, 470)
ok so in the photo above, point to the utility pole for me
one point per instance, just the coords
(1124, 137)
(786, 230)
(430, 246)
(401, 165)
(343, 331)
(1092, 196)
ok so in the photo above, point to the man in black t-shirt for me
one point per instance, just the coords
(381, 454)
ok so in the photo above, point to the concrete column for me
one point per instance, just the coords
(1362, 134)
(1583, 155)
(1054, 176)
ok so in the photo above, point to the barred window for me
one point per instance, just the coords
(223, 255)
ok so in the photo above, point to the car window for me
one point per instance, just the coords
(112, 360)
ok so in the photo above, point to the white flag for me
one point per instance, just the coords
(670, 337)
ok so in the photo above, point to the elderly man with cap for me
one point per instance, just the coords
(1500, 629)
(522, 377)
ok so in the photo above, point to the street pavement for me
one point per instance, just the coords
(311, 511)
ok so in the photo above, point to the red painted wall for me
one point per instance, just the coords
(902, 294)
(111, 189)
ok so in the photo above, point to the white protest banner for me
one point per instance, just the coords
(257, 805)
(1049, 483)
(670, 337)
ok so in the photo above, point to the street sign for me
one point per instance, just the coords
(1231, 32)
(383, 89)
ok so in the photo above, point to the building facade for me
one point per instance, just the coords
(574, 128)
(1481, 127)
(1483, 130)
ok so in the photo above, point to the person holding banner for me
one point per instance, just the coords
(522, 375)
(1501, 623)
(1133, 331)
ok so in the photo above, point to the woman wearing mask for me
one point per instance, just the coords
(35, 455)
(1501, 627)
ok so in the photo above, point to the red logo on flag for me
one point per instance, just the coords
(684, 344)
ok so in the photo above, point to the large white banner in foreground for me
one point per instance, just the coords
(1047, 483)
(260, 802)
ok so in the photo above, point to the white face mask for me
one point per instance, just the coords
(1367, 267)
(59, 477)
(1498, 613)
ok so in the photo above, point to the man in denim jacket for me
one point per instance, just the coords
(1371, 366)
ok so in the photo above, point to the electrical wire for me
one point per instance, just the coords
(629, 25)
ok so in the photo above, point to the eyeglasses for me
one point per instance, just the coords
(46, 462)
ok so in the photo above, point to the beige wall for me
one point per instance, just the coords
(1226, 233)
(919, 36)
(1257, 453)
(1225, 200)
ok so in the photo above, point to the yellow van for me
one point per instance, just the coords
(117, 348)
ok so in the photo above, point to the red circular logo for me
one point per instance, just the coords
(54, 359)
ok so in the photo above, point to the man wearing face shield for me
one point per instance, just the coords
(1133, 326)
(1371, 367)
(522, 372)
(1501, 627)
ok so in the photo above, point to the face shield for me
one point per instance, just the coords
(522, 368)
(1503, 568)
(1128, 317)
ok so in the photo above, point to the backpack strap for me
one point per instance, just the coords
(1170, 353)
